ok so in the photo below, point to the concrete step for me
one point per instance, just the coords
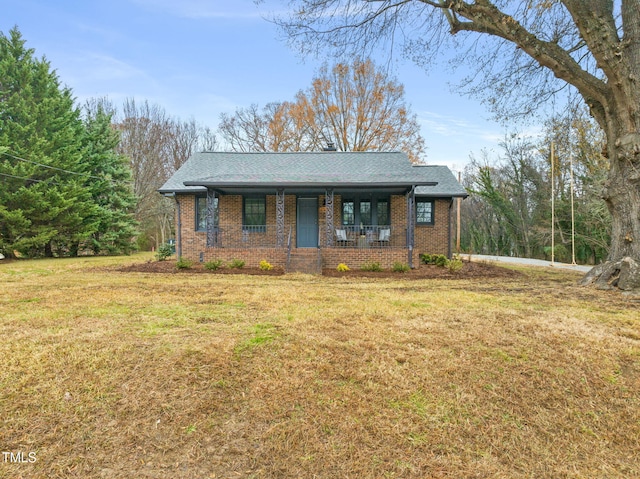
(304, 260)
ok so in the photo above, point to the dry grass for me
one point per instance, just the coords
(119, 375)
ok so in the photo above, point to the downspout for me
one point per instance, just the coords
(411, 223)
(449, 232)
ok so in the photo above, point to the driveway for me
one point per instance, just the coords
(527, 261)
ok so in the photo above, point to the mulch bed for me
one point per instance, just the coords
(169, 267)
(469, 270)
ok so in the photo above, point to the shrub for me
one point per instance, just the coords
(183, 263)
(371, 266)
(164, 251)
(455, 265)
(425, 258)
(342, 267)
(265, 266)
(399, 267)
(236, 263)
(442, 261)
(214, 264)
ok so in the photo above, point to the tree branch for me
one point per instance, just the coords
(484, 17)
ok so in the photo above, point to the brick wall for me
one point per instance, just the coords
(230, 213)
(354, 258)
(193, 242)
(433, 239)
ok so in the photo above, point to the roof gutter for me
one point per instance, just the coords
(308, 184)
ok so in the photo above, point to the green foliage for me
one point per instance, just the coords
(265, 265)
(184, 263)
(454, 265)
(441, 261)
(371, 266)
(399, 267)
(214, 264)
(436, 259)
(164, 251)
(262, 334)
(110, 184)
(43, 208)
(63, 190)
(342, 267)
(236, 263)
(509, 208)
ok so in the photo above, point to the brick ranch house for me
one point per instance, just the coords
(313, 209)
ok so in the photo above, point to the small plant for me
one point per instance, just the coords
(342, 267)
(371, 266)
(164, 251)
(455, 264)
(265, 265)
(399, 267)
(214, 264)
(236, 263)
(442, 261)
(184, 263)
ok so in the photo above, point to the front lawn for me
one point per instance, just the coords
(112, 374)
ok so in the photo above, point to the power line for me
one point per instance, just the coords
(52, 167)
(25, 178)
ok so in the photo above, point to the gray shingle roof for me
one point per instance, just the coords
(310, 169)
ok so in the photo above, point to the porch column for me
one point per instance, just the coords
(411, 222)
(211, 213)
(280, 218)
(328, 197)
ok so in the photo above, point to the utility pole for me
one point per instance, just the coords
(573, 220)
(458, 201)
(553, 213)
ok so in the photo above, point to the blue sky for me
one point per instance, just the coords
(200, 58)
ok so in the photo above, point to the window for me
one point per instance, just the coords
(424, 211)
(348, 213)
(201, 213)
(368, 212)
(254, 214)
(365, 212)
(382, 212)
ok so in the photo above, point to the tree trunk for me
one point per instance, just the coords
(622, 195)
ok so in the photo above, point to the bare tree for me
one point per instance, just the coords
(357, 107)
(157, 145)
(509, 210)
(363, 109)
(252, 129)
(532, 49)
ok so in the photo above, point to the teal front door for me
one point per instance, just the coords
(307, 223)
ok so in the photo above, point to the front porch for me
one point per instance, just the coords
(307, 236)
(354, 246)
(356, 219)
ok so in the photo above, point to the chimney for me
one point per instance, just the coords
(330, 147)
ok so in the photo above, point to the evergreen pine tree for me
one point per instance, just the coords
(110, 184)
(44, 206)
